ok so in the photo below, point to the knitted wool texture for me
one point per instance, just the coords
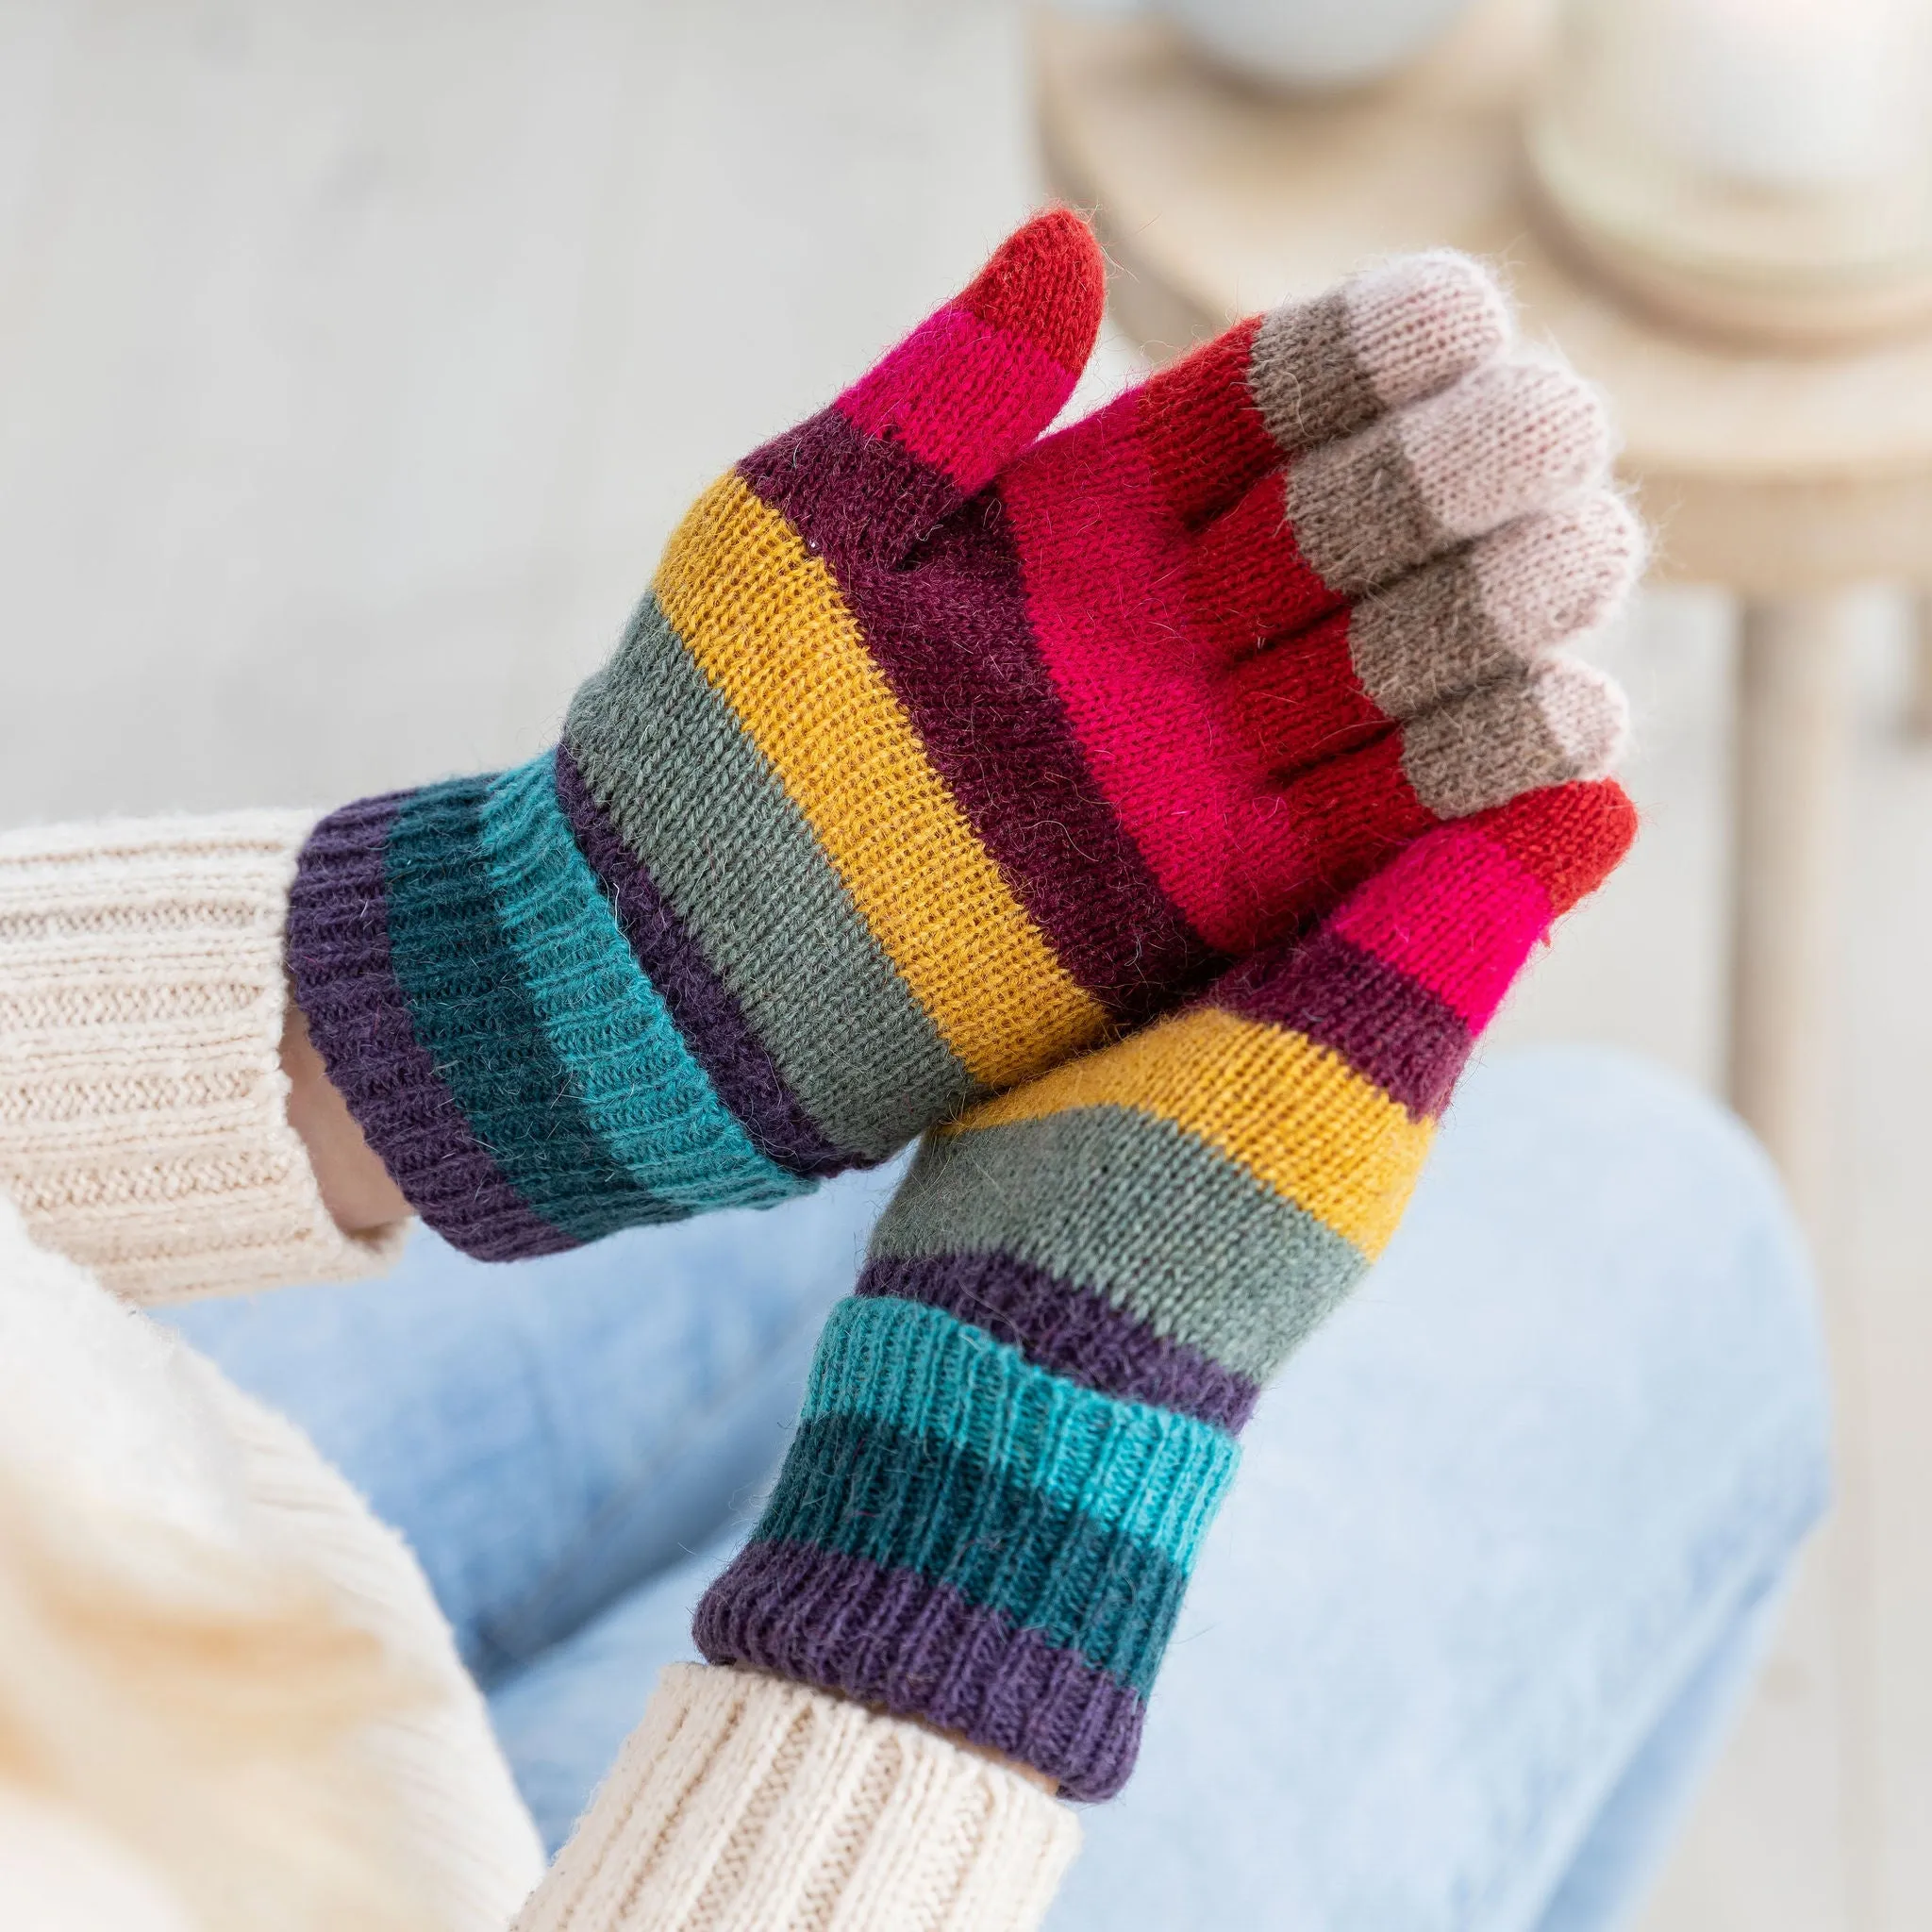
(937, 753)
(742, 1802)
(140, 1004)
(1018, 1431)
(142, 1106)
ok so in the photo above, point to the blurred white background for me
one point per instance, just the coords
(354, 360)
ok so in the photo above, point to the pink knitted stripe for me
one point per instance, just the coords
(959, 394)
(1456, 913)
(1109, 617)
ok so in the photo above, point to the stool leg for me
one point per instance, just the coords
(1791, 760)
(1919, 699)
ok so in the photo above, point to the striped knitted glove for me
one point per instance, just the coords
(937, 753)
(1017, 1433)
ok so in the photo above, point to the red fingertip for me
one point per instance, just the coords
(1568, 837)
(1047, 284)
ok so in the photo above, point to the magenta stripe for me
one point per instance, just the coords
(960, 393)
(1457, 864)
(1391, 1030)
(722, 1039)
(951, 636)
(358, 1018)
(894, 1639)
(1073, 1331)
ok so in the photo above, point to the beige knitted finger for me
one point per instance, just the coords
(1484, 613)
(1405, 329)
(1556, 721)
(1509, 439)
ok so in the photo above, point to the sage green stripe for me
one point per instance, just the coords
(1138, 1211)
(696, 802)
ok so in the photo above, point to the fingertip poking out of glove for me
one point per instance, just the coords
(942, 751)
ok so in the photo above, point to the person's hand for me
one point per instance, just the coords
(937, 752)
(1018, 1431)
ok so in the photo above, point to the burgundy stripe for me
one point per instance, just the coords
(949, 631)
(358, 1018)
(1389, 1029)
(721, 1039)
(861, 501)
(1073, 1331)
(896, 1638)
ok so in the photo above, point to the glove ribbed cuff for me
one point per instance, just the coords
(489, 1020)
(962, 1537)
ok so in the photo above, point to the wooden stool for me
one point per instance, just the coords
(1790, 479)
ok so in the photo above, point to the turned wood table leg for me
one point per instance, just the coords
(1791, 761)
(1919, 700)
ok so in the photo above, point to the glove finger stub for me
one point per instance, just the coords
(1336, 820)
(1307, 373)
(1389, 336)
(1488, 611)
(1482, 614)
(1559, 721)
(1505, 440)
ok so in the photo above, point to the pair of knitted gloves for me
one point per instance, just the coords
(1151, 813)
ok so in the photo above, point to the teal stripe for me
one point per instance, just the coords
(1140, 1212)
(901, 1503)
(696, 801)
(650, 1101)
(471, 1012)
(928, 1446)
(1148, 1475)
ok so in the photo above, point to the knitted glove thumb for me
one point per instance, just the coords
(934, 755)
(539, 1037)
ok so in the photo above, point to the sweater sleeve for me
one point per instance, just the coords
(143, 1124)
(144, 1133)
(744, 1799)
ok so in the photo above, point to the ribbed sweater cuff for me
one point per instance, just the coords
(742, 1802)
(144, 1123)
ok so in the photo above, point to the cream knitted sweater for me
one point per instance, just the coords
(145, 1156)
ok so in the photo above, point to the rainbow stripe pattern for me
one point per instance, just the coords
(917, 771)
(762, 914)
(1019, 1429)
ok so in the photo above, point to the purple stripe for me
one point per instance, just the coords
(1390, 1030)
(358, 1018)
(918, 1648)
(721, 1039)
(949, 630)
(1073, 1331)
(861, 501)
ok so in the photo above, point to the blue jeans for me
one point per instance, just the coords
(1506, 1546)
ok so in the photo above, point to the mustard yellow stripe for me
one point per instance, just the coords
(1298, 1117)
(762, 617)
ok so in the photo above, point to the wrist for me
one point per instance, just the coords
(354, 1186)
